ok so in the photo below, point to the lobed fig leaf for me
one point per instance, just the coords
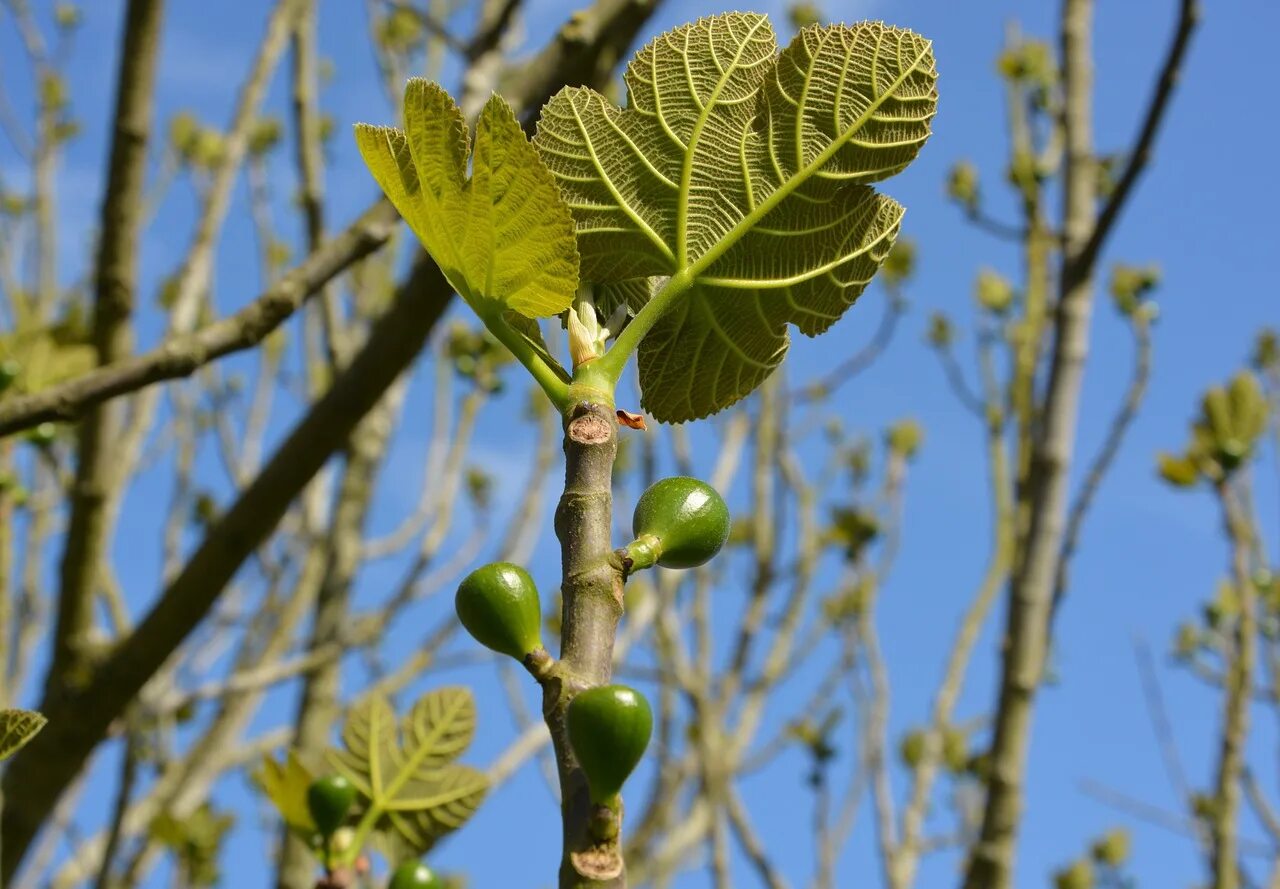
(684, 521)
(287, 785)
(405, 771)
(17, 728)
(609, 729)
(742, 176)
(498, 604)
(503, 237)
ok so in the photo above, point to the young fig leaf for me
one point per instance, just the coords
(413, 875)
(17, 727)
(329, 799)
(406, 773)
(286, 783)
(683, 520)
(503, 238)
(609, 728)
(744, 177)
(498, 604)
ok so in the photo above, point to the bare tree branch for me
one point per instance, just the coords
(97, 480)
(990, 864)
(80, 721)
(1140, 155)
(185, 354)
(1101, 463)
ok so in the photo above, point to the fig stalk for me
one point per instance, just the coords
(591, 589)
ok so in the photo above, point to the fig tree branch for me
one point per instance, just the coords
(1102, 461)
(1139, 156)
(85, 718)
(183, 355)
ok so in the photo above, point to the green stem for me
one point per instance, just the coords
(611, 365)
(592, 591)
(1224, 824)
(552, 383)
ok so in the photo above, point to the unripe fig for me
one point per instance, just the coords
(498, 604)
(413, 875)
(329, 800)
(684, 521)
(609, 728)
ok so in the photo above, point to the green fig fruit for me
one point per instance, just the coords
(329, 800)
(498, 604)
(414, 875)
(609, 728)
(683, 520)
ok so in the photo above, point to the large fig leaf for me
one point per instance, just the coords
(406, 772)
(503, 238)
(744, 174)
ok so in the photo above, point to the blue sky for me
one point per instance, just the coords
(1204, 213)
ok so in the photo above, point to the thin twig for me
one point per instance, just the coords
(1140, 155)
(183, 355)
(751, 844)
(1101, 463)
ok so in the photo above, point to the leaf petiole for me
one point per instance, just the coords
(552, 383)
(614, 361)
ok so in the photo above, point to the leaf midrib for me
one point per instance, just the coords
(409, 804)
(752, 217)
(415, 760)
(635, 217)
(686, 172)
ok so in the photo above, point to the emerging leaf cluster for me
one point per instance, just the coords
(1232, 421)
(729, 199)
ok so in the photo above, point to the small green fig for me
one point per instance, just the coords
(498, 604)
(683, 519)
(609, 728)
(329, 800)
(414, 875)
